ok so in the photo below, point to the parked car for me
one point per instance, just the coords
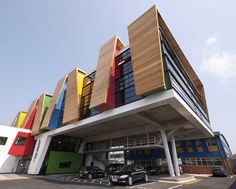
(112, 167)
(153, 170)
(91, 172)
(129, 174)
(219, 171)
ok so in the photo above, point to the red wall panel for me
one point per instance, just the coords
(25, 149)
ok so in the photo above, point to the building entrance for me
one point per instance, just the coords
(23, 165)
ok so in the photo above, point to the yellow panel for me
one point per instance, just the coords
(73, 96)
(21, 119)
(145, 47)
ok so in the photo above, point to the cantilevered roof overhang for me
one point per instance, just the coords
(163, 110)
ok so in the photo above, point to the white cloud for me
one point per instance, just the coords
(212, 40)
(216, 61)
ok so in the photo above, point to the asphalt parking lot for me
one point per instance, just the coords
(42, 183)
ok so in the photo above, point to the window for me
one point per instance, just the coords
(199, 143)
(178, 145)
(189, 144)
(65, 164)
(211, 142)
(20, 141)
(124, 80)
(209, 162)
(3, 140)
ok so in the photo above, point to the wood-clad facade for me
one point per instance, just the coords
(103, 88)
(144, 38)
(73, 96)
(146, 51)
(54, 100)
(42, 107)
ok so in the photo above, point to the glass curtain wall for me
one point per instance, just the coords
(178, 79)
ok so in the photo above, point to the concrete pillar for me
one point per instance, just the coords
(39, 154)
(81, 148)
(175, 158)
(88, 159)
(167, 152)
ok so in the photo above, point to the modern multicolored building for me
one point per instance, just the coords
(144, 95)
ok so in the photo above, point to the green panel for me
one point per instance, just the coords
(57, 158)
(47, 102)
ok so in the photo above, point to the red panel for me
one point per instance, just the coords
(30, 121)
(23, 150)
(111, 91)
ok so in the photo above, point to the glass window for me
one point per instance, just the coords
(20, 141)
(178, 144)
(189, 144)
(3, 140)
(124, 84)
(204, 162)
(199, 161)
(211, 142)
(65, 164)
(198, 143)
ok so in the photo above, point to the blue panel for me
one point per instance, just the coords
(55, 119)
(159, 153)
(195, 152)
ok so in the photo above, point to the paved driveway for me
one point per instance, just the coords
(39, 183)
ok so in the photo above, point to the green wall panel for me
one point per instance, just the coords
(63, 162)
(47, 102)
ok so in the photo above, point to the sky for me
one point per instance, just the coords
(41, 41)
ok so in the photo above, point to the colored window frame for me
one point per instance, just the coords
(3, 140)
(20, 141)
(211, 142)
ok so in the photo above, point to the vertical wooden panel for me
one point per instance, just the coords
(38, 116)
(37, 119)
(102, 83)
(145, 46)
(54, 100)
(15, 122)
(73, 96)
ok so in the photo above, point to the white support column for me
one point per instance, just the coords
(88, 159)
(39, 154)
(81, 148)
(167, 152)
(175, 158)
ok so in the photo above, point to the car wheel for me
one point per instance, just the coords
(146, 178)
(111, 183)
(90, 176)
(130, 181)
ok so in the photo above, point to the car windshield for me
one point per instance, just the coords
(127, 168)
(97, 168)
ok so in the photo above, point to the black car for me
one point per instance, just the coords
(112, 167)
(219, 171)
(90, 172)
(153, 170)
(129, 174)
